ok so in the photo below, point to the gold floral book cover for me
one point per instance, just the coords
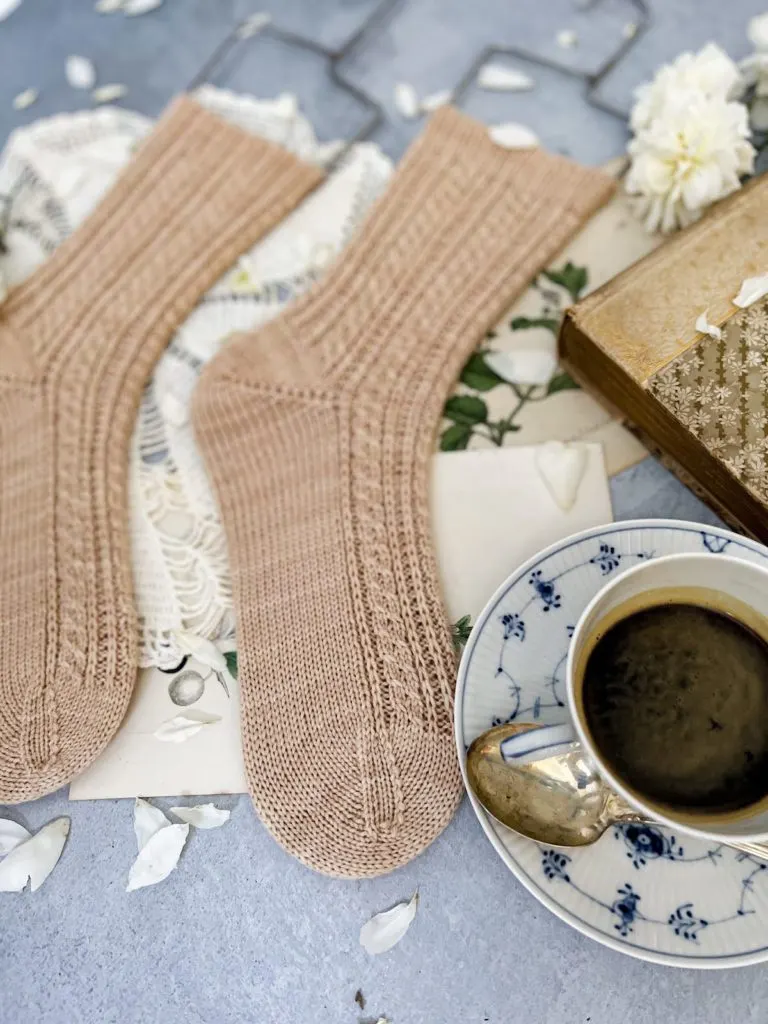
(666, 344)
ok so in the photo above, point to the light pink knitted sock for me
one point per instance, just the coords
(77, 343)
(318, 433)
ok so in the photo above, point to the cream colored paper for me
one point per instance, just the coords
(490, 511)
(493, 511)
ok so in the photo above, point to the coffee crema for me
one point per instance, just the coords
(675, 696)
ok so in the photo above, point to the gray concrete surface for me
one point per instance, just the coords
(240, 933)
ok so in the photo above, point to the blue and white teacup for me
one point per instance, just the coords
(731, 586)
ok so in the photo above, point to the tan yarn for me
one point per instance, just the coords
(77, 344)
(318, 433)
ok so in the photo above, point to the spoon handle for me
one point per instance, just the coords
(756, 849)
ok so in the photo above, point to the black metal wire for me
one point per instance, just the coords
(334, 57)
(592, 80)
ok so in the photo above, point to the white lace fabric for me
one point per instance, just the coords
(52, 174)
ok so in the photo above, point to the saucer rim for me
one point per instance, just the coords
(639, 952)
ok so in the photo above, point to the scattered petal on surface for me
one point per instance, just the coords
(567, 39)
(561, 467)
(253, 24)
(406, 100)
(204, 651)
(109, 93)
(35, 858)
(81, 73)
(523, 366)
(436, 99)
(703, 326)
(147, 820)
(183, 726)
(25, 99)
(11, 835)
(134, 7)
(202, 815)
(108, 6)
(158, 857)
(752, 289)
(513, 136)
(500, 78)
(7, 7)
(630, 30)
(385, 930)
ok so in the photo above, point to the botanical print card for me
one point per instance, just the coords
(526, 399)
(491, 510)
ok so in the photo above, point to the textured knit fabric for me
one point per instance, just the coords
(318, 432)
(77, 343)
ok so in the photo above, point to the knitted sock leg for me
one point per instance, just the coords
(318, 432)
(77, 343)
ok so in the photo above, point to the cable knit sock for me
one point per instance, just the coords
(318, 433)
(77, 344)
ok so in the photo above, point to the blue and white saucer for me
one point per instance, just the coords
(640, 889)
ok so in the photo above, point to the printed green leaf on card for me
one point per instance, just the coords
(466, 409)
(524, 323)
(455, 438)
(574, 279)
(562, 382)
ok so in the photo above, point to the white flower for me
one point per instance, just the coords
(692, 154)
(710, 72)
(755, 70)
(757, 31)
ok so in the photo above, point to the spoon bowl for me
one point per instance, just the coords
(559, 800)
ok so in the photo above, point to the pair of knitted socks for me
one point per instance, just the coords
(317, 432)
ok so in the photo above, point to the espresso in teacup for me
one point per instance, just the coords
(674, 685)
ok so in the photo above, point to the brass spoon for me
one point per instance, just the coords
(558, 801)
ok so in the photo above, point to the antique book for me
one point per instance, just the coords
(700, 400)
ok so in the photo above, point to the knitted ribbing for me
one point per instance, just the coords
(77, 343)
(318, 432)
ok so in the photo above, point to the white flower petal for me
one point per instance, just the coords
(202, 815)
(437, 99)
(752, 289)
(158, 857)
(11, 835)
(35, 858)
(135, 7)
(406, 100)
(385, 930)
(183, 726)
(513, 136)
(81, 73)
(523, 366)
(253, 24)
(561, 467)
(567, 39)
(757, 32)
(501, 78)
(25, 99)
(107, 6)
(7, 7)
(703, 326)
(174, 410)
(146, 821)
(110, 92)
(202, 650)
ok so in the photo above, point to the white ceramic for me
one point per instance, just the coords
(648, 891)
(729, 577)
